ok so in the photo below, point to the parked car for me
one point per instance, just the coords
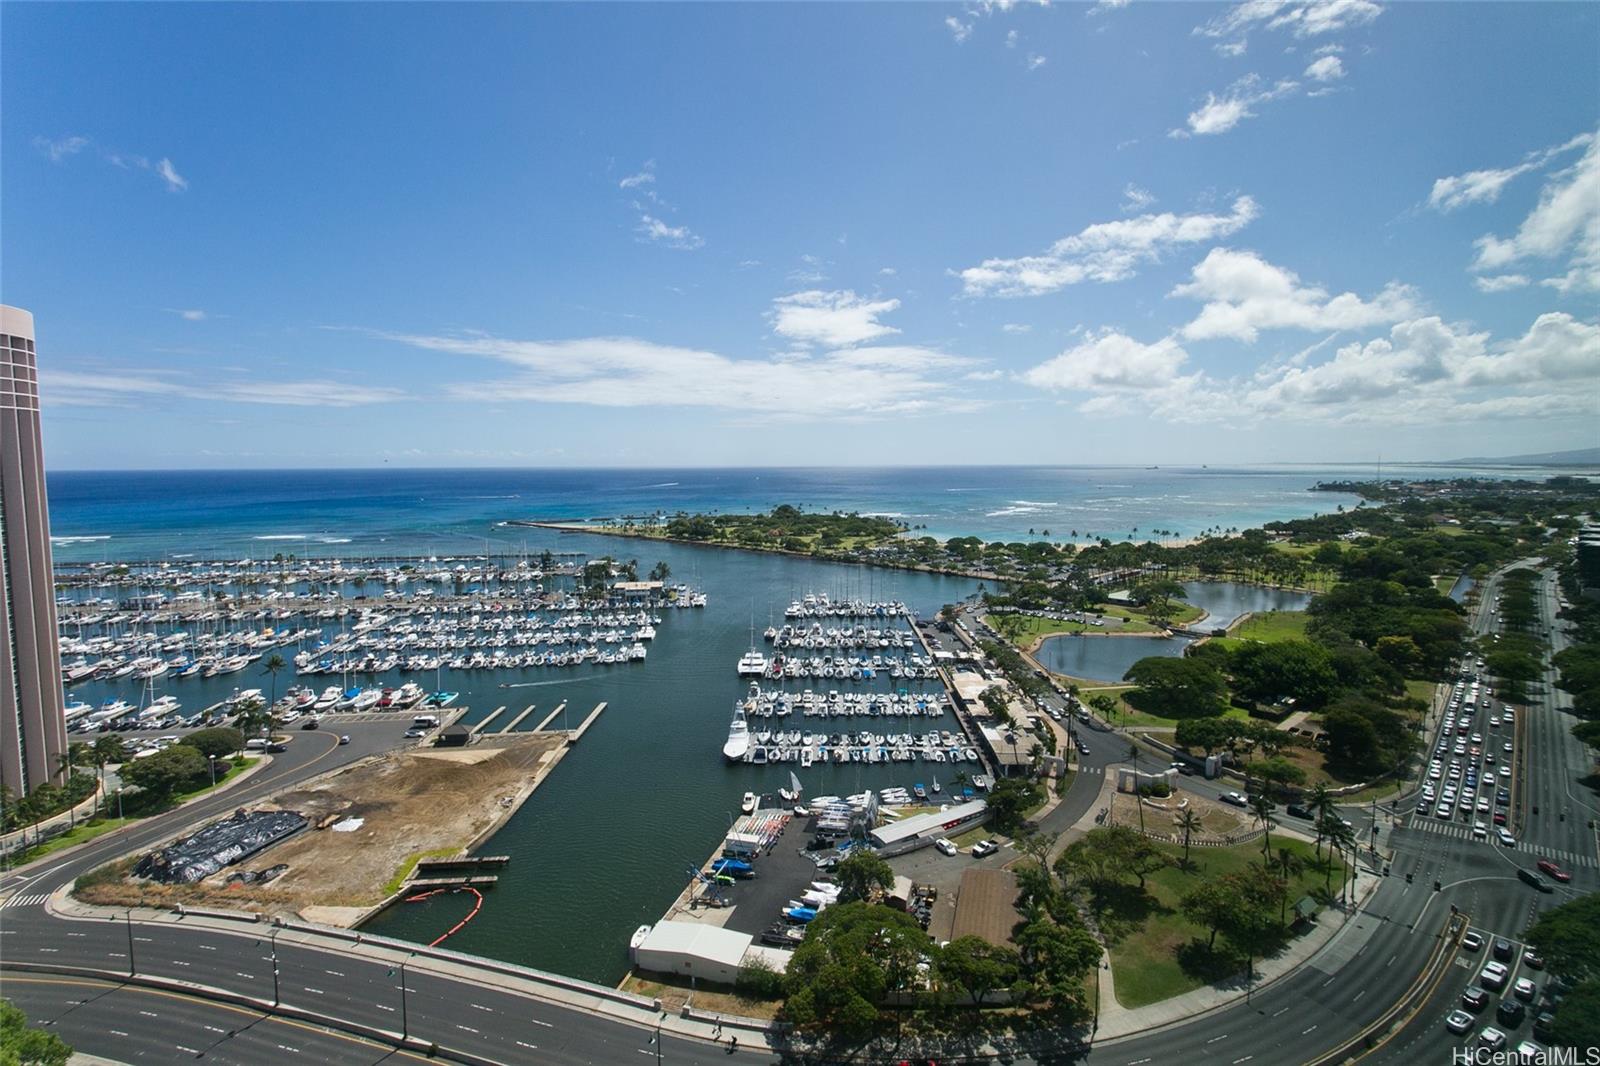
(1472, 941)
(945, 847)
(984, 847)
(1524, 989)
(1511, 1012)
(1502, 949)
(1458, 1021)
(1475, 999)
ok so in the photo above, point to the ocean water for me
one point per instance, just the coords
(256, 514)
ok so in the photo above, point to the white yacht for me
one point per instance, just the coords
(738, 743)
(752, 664)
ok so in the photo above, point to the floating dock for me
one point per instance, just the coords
(551, 716)
(483, 725)
(577, 734)
(512, 726)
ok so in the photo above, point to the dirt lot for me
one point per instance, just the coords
(1220, 821)
(412, 804)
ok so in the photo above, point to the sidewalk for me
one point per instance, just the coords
(36, 833)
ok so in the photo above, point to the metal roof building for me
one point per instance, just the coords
(926, 828)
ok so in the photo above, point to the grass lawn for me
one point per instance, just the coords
(85, 831)
(1272, 626)
(1128, 715)
(1145, 960)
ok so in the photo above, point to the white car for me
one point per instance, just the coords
(945, 847)
(1235, 798)
(984, 847)
(1506, 839)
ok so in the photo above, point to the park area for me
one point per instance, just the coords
(1160, 947)
(380, 816)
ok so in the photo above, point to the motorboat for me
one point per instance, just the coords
(738, 742)
(748, 803)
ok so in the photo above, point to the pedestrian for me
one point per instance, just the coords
(733, 1044)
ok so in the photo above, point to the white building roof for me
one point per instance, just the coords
(701, 941)
(924, 824)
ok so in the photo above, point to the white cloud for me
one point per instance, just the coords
(834, 319)
(1111, 361)
(1485, 186)
(1105, 251)
(1566, 222)
(190, 314)
(1232, 49)
(984, 375)
(61, 147)
(1326, 69)
(1016, 327)
(70, 388)
(1501, 282)
(1219, 114)
(958, 29)
(1136, 199)
(645, 176)
(654, 231)
(1302, 18)
(629, 372)
(1103, 6)
(169, 174)
(1245, 294)
(888, 272)
(1036, 61)
(1425, 371)
(1011, 38)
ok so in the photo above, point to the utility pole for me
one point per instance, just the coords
(273, 941)
(132, 969)
(405, 1019)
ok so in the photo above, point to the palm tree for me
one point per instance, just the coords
(273, 664)
(1320, 802)
(1138, 798)
(1340, 837)
(107, 749)
(1188, 822)
(1289, 864)
(1262, 807)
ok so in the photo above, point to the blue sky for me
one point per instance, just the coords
(612, 234)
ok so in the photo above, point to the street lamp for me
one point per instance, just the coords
(405, 1019)
(132, 969)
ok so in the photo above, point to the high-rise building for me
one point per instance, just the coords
(33, 726)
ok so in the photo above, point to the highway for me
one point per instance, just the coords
(1370, 963)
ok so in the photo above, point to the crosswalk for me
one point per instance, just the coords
(26, 901)
(1457, 831)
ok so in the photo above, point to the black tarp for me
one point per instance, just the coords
(219, 844)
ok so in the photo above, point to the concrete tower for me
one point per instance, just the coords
(33, 726)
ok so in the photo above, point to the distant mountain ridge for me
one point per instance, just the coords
(1576, 457)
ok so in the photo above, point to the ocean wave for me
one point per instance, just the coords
(510, 496)
(1006, 511)
(283, 536)
(78, 540)
(1033, 503)
(662, 485)
(333, 540)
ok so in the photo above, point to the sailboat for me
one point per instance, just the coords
(792, 793)
(936, 786)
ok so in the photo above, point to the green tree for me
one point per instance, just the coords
(1009, 800)
(1175, 687)
(1284, 670)
(1568, 937)
(1320, 802)
(215, 743)
(165, 772)
(1055, 959)
(1104, 857)
(1577, 1023)
(860, 873)
(1188, 823)
(977, 967)
(271, 666)
(22, 1046)
(853, 955)
(1262, 807)
(1210, 904)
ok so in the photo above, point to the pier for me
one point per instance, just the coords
(483, 725)
(577, 734)
(465, 862)
(511, 727)
(550, 717)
